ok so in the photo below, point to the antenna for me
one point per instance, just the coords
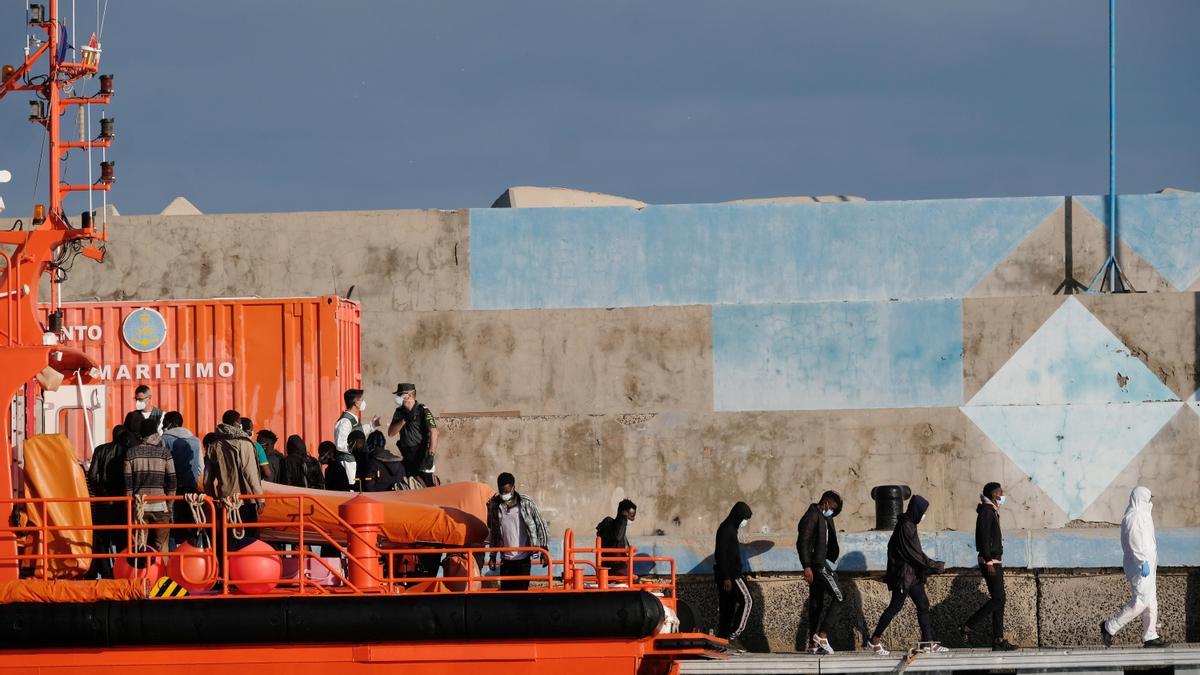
(1110, 271)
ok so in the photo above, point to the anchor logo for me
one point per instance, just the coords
(144, 330)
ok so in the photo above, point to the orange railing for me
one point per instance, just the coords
(34, 555)
(352, 561)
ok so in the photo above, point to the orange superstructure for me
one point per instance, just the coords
(283, 362)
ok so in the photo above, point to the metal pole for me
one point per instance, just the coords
(1112, 145)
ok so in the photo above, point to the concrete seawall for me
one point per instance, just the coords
(1045, 608)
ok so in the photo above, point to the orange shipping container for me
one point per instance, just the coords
(283, 362)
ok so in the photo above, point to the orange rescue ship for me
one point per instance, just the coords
(363, 604)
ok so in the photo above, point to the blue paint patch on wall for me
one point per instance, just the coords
(742, 253)
(1163, 229)
(1072, 452)
(1072, 358)
(824, 356)
(867, 551)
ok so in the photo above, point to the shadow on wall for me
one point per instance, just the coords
(1192, 609)
(964, 599)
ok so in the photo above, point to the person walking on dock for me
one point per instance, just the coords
(733, 597)
(817, 545)
(1141, 564)
(989, 543)
(907, 568)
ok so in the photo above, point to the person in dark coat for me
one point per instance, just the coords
(335, 469)
(817, 546)
(301, 469)
(385, 469)
(989, 542)
(611, 532)
(907, 568)
(106, 478)
(733, 597)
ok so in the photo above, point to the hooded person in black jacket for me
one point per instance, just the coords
(733, 598)
(817, 545)
(612, 534)
(989, 542)
(907, 567)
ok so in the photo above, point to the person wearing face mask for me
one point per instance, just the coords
(351, 420)
(418, 434)
(514, 521)
(734, 603)
(817, 545)
(907, 568)
(1141, 562)
(143, 409)
(989, 542)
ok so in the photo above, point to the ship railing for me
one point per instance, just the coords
(47, 551)
(352, 560)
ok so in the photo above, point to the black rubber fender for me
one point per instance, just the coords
(339, 619)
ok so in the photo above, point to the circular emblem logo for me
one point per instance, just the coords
(144, 330)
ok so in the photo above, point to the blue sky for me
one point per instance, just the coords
(274, 106)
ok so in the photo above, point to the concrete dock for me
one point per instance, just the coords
(1182, 659)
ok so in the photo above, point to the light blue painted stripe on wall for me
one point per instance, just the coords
(742, 253)
(1163, 229)
(823, 356)
(867, 551)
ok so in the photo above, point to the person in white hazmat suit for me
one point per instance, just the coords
(1141, 562)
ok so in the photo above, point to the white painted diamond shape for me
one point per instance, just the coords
(1072, 407)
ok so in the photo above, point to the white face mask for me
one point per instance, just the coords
(506, 496)
(399, 400)
(139, 405)
(362, 405)
(743, 524)
(1000, 502)
(828, 513)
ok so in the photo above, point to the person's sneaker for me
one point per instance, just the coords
(822, 644)
(1156, 642)
(736, 646)
(1105, 636)
(877, 648)
(1003, 645)
(967, 633)
(935, 648)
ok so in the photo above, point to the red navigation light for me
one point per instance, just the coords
(108, 172)
(106, 88)
(106, 127)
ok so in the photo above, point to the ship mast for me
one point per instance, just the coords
(29, 352)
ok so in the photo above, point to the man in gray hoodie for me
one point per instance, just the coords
(188, 456)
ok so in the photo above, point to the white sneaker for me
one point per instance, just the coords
(934, 648)
(878, 649)
(822, 644)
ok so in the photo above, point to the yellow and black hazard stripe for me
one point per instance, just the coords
(166, 588)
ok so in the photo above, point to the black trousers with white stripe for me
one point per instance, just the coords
(733, 608)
